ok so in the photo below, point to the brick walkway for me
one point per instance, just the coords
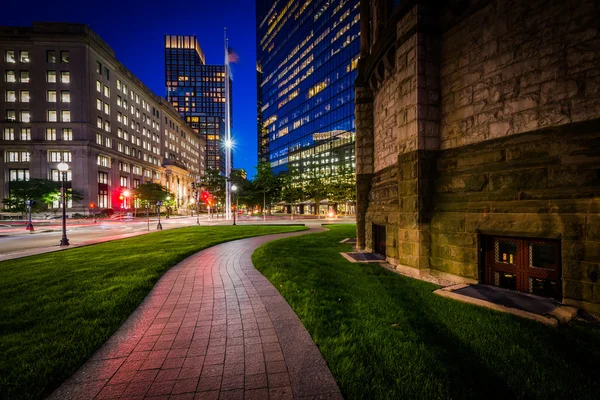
(212, 328)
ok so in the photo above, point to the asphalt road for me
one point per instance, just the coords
(15, 239)
(17, 242)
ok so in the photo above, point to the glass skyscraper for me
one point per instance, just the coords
(308, 53)
(197, 91)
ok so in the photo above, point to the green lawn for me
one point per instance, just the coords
(388, 336)
(58, 308)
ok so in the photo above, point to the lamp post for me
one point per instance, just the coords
(29, 204)
(167, 206)
(63, 167)
(197, 209)
(234, 190)
(159, 225)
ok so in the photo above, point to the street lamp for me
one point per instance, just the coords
(29, 204)
(63, 167)
(234, 189)
(158, 204)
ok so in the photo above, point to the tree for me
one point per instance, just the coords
(150, 193)
(316, 188)
(267, 183)
(342, 186)
(291, 190)
(43, 191)
(214, 183)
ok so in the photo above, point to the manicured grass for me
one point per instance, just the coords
(386, 336)
(58, 308)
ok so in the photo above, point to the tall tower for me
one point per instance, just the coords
(308, 53)
(197, 91)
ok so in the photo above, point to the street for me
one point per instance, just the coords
(16, 242)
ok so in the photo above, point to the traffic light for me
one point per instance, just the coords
(92, 205)
(121, 197)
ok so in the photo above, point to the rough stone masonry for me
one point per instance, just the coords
(479, 118)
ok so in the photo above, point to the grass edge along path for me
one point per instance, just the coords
(57, 308)
(387, 336)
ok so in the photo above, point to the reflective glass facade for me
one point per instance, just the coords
(197, 91)
(308, 51)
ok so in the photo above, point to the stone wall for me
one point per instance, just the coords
(543, 184)
(517, 66)
(484, 119)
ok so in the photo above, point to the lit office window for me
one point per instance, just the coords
(15, 175)
(98, 67)
(108, 142)
(65, 96)
(107, 126)
(9, 134)
(50, 134)
(10, 96)
(58, 156)
(18, 156)
(24, 56)
(11, 115)
(25, 134)
(24, 76)
(25, 96)
(65, 77)
(106, 109)
(25, 116)
(67, 134)
(56, 176)
(51, 76)
(104, 161)
(51, 96)
(99, 86)
(9, 56)
(98, 139)
(65, 115)
(10, 76)
(99, 122)
(106, 91)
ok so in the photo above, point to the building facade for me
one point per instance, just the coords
(307, 56)
(197, 91)
(478, 143)
(65, 97)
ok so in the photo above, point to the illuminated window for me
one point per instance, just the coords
(65, 96)
(9, 134)
(65, 115)
(11, 96)
(67, 134)
(51, 76)
(9, 56)
(24, 76)
(25, 96)
(25, 116)
(52, 116)
(65, 77)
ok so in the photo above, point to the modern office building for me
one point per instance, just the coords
(308, 53)
(197, 91)
(65, 97)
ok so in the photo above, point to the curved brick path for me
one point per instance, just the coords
(212, 328)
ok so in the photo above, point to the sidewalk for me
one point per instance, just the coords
(212, 328)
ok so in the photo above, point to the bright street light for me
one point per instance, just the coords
(63, 167)
(228, 143)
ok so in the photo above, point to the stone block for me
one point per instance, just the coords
(578, 290)
(454, 239)
(448, 222)
(593, 228)
(518, 180)
(557, 90)
(572, 176)
(498, 129)
(462, 183)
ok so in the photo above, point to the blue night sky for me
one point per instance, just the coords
(135, 29)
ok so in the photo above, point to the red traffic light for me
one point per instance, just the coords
(92, 205)
(121, 197)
